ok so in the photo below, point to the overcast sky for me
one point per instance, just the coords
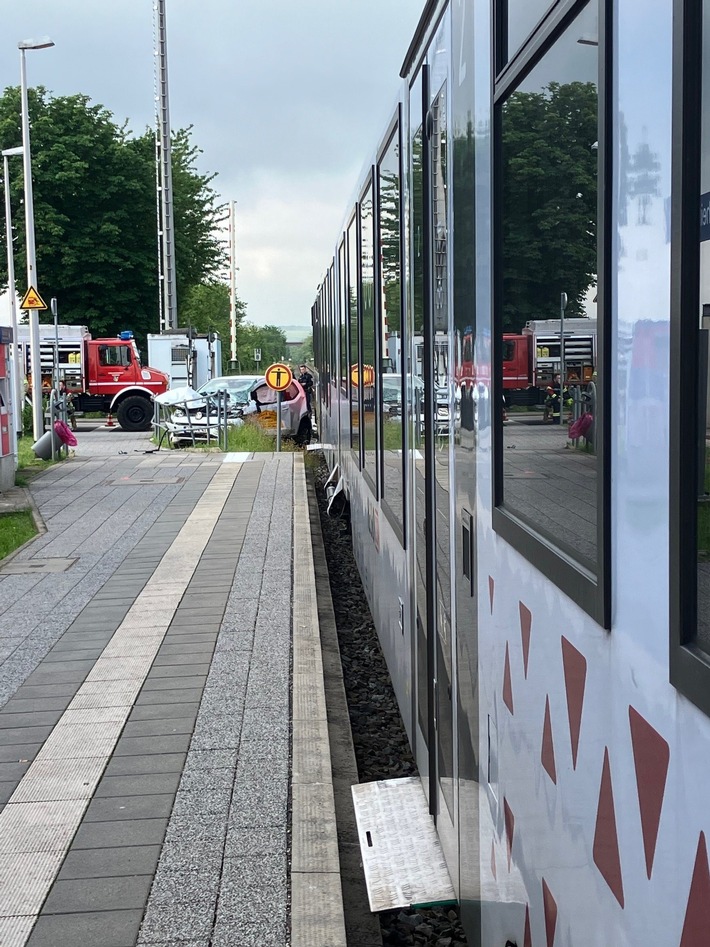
(286, 98)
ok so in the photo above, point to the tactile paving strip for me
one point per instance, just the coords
(75, 754)
(14, 931)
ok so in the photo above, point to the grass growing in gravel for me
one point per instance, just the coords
(15, 529)
(247, 437)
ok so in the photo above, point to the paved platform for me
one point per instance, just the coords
(159, 782)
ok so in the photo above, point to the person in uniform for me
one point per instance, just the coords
(306, 381)
(71, 410)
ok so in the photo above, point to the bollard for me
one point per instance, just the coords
(110, 422)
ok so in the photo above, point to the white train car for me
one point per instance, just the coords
(542, 599)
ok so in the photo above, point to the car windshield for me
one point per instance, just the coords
(237, 386)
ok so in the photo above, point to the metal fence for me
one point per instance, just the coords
(200, 420)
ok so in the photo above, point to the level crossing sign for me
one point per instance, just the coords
(32, 300)
(278, 376)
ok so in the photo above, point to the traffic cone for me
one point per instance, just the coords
(110, 421)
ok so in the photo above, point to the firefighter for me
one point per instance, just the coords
(553, 405)
(71, 410)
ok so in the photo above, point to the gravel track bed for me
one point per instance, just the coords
(381, 745)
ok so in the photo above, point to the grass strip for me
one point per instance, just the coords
(15, 529)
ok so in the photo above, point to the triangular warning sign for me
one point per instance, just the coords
(32, 300)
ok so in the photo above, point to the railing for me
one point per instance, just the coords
(200, 420)
(58, 411)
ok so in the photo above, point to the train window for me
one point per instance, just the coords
(690, 371)
(343, 305)
(518, 19)
(392, 409)
(548, 480)
(367, 379)
(353, 367)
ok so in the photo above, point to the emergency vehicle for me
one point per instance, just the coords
(102, 374)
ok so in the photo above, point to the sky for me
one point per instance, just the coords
(287, 99)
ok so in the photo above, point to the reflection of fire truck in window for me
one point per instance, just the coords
(532, 359)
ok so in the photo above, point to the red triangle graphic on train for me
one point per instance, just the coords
(697, 914)
(527, 936)
(507, 682)
(651, 756)
(547, 755)
(525, 623)
(606, 843)
(550, 906)
(575, 668)
(509, 828)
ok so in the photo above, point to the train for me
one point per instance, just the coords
(541, 600)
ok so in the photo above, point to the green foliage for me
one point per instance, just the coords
(549, 185)
(15, 529)
(206, 308)
(95, 213)
(303, 353)
(270, 339)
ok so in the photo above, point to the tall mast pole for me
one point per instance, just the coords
(169, 286)
(233, 283)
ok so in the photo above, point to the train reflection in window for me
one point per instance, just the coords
(548, 229)
(366, 379)
(392, 406)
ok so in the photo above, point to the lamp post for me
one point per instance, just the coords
(17, 397)
(35, 365)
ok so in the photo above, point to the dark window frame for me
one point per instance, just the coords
(370, 184)
(592, 592)
(689, 665)
(400, 529)
(343, 333)
(354, 218)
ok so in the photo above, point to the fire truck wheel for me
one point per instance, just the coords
(135, 414)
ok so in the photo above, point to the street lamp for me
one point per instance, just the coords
(8, 153)
(35, 365)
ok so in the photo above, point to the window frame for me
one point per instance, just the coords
(394, 130)
(592, 592)
(689, 666)
(354, 219)
(370, 185)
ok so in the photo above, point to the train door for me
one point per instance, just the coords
(436, 647)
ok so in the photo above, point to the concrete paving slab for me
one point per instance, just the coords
(110, 862)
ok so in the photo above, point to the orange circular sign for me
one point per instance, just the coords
(368, 375)
(278, 376)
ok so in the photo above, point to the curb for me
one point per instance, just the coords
(361, 925)
(317, 915)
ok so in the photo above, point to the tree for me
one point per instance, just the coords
(206, 308)
(270, 339)
(95, 213)
(549, 184)
(303, 353)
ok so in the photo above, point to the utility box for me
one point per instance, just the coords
(7, 433)
(188, 358)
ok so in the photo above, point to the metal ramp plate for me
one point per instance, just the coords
(403, 861)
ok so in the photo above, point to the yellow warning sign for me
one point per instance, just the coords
(32, 300)
(278, 376)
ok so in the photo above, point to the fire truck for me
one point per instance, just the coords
(102, 374)
(532, 359)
